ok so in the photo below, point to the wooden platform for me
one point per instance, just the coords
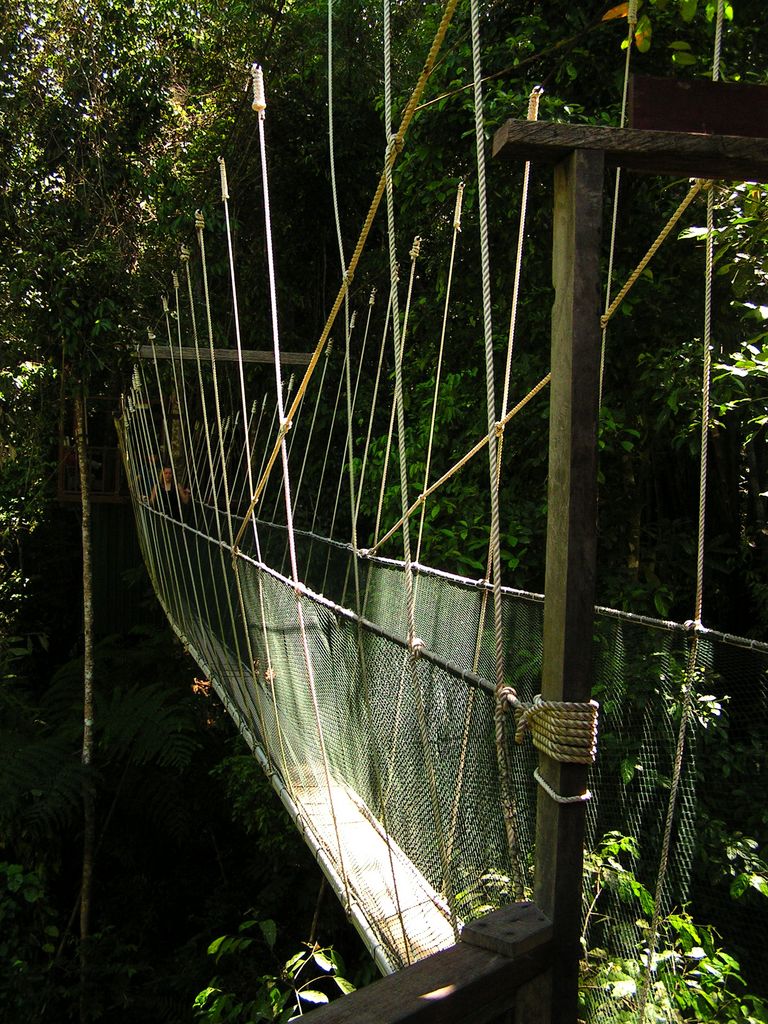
(681, 154)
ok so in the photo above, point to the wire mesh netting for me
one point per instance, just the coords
(389, 760)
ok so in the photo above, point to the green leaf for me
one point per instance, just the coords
(322, 960)
(643, 34)
(345, 986)
(269, 931)
(684, 59)
(312, 995)
(688, 9)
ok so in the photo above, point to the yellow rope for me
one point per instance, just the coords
(500, 425)
(694, 191)
(393, 151)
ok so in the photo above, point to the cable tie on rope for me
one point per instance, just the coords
(457, 208)
(416, 646)
(224, 185)
(259, 103)
(579, 799)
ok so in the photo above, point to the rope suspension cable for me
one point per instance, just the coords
(249, 455)
(294, 431)
(347, 442)
(260, 107)
(324, 467)
(631, 26)
(393, 151)
(199, 226)
(168, 580)
(188, 433)
(508, 803)
(689, 683)
(533, 110)
(498, 427)
(414, 643)
(241, 379)
(187, 579)
(182, 617)
(183, 425)
(374, 397)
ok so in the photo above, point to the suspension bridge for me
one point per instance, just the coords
(384, 697)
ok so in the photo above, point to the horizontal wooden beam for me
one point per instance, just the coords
(227, 355)
(698, 105)
(474, 981)
(680, 154)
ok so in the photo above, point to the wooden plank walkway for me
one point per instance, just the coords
(410, 918)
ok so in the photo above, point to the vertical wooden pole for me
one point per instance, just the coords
(571, 543)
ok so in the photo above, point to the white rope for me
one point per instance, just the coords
(688, 686)
(509, 810)
(284, 426)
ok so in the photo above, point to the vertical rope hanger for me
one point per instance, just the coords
(631, 26)
(260, 105)
(690, 675)
(509, 810)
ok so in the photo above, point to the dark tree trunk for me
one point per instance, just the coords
(89, 805)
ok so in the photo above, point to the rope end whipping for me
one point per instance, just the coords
(533, 102)
(259, 103)
(199, 221)
(165, 304)
(224, 185)
(185, 254)
(372, 299)
(457, 208)
(416, 248)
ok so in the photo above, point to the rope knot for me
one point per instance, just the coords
(416, 646)
(224, 184)
(457, 208)
(349, 277)
(533, 102)
(564, 730)
(498, 428)
(259, 103)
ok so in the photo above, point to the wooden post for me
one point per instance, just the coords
(570, 573)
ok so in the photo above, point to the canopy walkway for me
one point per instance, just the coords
(375, 690)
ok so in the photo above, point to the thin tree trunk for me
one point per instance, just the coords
(89, 806)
